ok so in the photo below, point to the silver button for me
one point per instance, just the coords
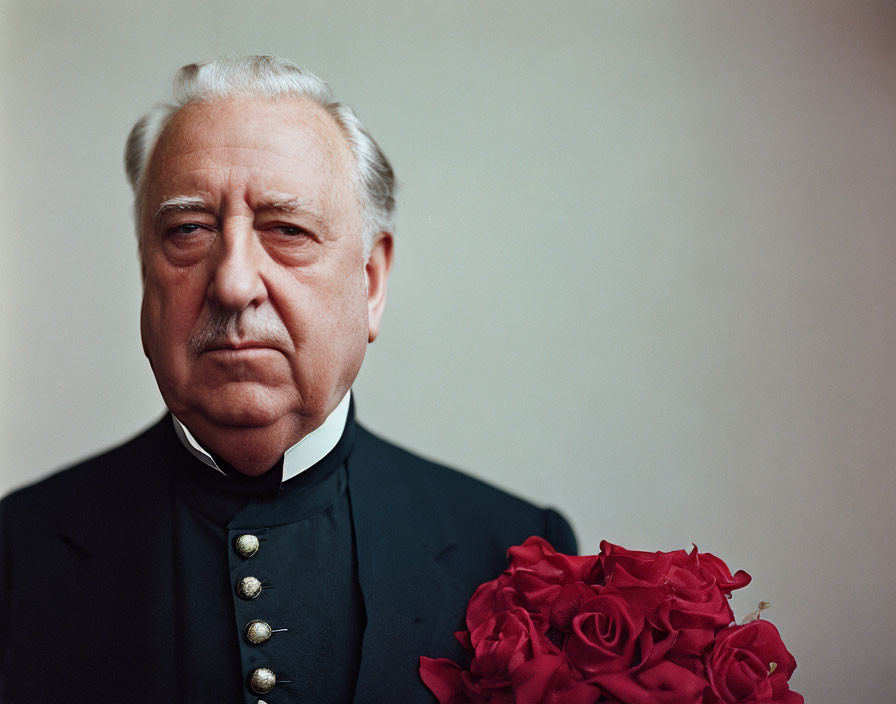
(257, 632)
(262, 680)
(246, 545)
(248, 588)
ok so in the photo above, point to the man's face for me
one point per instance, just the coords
(257, 303)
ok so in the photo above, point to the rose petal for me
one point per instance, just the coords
(442, 677)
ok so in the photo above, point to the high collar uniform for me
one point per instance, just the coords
(293, 543)
(118, 575)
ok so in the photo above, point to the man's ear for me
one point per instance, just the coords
(376, 272)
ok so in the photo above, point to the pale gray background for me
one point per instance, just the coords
(645, 266)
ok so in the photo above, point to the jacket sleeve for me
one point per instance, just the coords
(558, 533)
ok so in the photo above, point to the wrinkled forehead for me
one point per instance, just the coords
(290, 138)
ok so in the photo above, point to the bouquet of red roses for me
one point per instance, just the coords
(620, 627)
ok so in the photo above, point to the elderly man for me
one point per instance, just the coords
(256, 544)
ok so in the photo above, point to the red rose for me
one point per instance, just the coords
(695, 610)
(522, 590)
(605, 635)
(697, 600)
(568, 604)
(493, 598)
(679, 593)
(749, 664)
(502, 644)
(532, 589)
(534, 579)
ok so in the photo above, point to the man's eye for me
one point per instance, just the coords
(290, 231)
(188, 228)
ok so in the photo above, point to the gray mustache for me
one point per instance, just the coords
(223, 327)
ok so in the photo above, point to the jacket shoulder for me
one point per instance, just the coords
(92, 477)
(475, 506)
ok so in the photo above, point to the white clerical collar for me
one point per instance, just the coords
(306, 453)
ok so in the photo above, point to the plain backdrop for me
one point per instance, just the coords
(645, 273)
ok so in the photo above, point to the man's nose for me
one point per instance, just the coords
(237, 282)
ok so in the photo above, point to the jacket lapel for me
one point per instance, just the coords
(121, 531)
(413, 605)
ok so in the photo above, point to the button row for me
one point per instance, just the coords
(262, 680)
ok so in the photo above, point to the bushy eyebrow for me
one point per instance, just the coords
(179, 203)
(282, 201)
(286, 203)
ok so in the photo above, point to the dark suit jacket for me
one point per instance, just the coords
(87, 595)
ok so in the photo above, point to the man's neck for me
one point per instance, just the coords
(304, 454)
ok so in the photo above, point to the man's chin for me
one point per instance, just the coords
(246, 417)
(237, 406)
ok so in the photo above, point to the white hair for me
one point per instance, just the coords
(267, 77)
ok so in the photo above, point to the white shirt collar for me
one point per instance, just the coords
(307, 452)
